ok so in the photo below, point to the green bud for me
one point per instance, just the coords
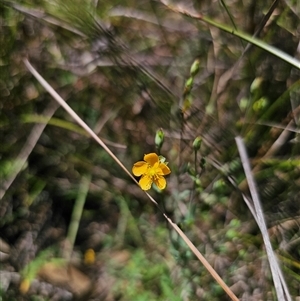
(197, 143)
(260, 104)
(188, 86)
(219, 186)
(244, 102)
(195, 67)
(159, 138)
(186, 167)
(256, 84)
(187, 103)
(202, 163)
(162, 159)
(197, 182)
(189, 83)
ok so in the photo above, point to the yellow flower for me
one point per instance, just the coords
(152, 170)
(89, 256)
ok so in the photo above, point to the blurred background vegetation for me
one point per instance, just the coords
(124, 67)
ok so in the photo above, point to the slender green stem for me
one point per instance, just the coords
(228, 13)
(257, 42)
(194, 184)
(77, 213)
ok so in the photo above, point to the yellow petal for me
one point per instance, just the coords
(160, 182)
(151, 158)
(145, 182)
(139, 168)
(165, 169)
(24, 286)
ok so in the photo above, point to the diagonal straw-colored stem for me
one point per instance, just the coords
(58, 98)
(192, 247)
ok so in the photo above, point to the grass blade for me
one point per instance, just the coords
(279, 282)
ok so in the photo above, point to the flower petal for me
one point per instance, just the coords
(139, 168)
(165, 169)
(145, 182)
(160, 182)
(151, 158)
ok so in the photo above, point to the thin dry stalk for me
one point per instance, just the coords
(279, 282)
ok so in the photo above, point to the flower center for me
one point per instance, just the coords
(153, 170)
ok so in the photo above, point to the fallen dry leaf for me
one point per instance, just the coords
(66, 276)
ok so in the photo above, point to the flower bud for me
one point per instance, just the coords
(159, 138)
(202, 163)
(197, 143)
(260, 104)
(256, 84)
(189, 84)
(195, 67)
